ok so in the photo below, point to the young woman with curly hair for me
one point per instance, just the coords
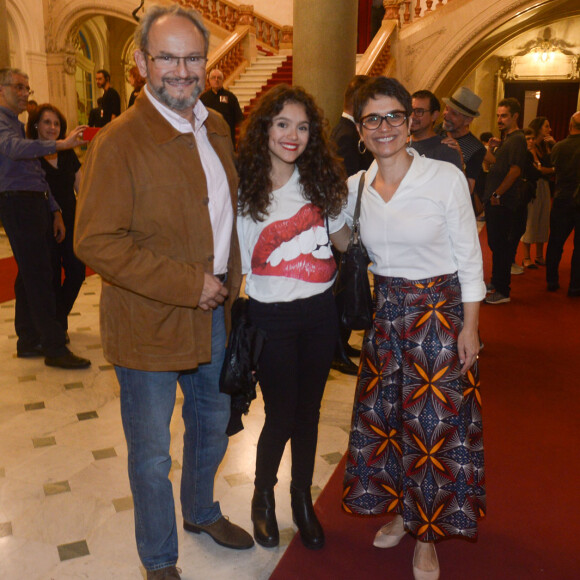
(292, 190)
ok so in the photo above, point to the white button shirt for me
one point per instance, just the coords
(426, 229)
(221, 214)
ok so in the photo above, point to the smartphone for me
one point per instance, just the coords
(90, 132)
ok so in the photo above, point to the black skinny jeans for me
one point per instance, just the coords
(68, 289)
(293, 369)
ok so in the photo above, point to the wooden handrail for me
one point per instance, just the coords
(377, 57)
(230, 55)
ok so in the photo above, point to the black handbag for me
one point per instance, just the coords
(238, 376)
(352, 287)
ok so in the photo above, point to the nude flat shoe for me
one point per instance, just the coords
(420, 574)
(385, 537)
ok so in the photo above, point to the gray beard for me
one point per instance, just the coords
(175, 103)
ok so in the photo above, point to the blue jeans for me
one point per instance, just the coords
(147, 402)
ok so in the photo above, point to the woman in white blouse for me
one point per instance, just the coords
(416, 447)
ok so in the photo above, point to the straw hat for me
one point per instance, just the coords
(465, 101)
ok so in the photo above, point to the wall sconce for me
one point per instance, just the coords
(538, 95)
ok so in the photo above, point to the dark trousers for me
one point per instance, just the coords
(518, 228)
(28, 225)
(500, 227)
(68, 289)
(293, 369)
(563, 219)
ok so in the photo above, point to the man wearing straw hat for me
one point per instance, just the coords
(460, 110)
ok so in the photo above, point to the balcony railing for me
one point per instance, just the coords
(229, 15)
(406, 11)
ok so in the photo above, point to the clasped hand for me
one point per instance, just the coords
(213, 293)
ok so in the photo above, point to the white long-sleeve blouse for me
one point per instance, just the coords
(426, 229)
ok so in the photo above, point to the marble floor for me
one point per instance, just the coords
(66, 510)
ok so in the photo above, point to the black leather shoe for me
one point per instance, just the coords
(30, 352)
(264, 518)
(351, 350)
(169, 573)
(311, 532)
(223, 532)
(344, 366)
(573, 292)
(553, 286)
(67, 361)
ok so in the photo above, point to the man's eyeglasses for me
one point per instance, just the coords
(168, 61)
(19, 88)
(420, 112)
(393, 119)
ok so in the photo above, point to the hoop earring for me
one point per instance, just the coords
(362, 150)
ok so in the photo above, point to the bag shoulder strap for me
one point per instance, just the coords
(354, 235)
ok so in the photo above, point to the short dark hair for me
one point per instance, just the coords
(512, 104)
(105, 73)
(485, 136)
(434, 104)
(381, 86)
(353, 86)
(32, 124)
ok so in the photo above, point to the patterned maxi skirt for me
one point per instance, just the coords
(416, 441)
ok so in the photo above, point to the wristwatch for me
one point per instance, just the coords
(495, 195)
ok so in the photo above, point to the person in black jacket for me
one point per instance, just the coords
(355, 159)
(223, 101)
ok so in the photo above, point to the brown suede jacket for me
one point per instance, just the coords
(143, 224)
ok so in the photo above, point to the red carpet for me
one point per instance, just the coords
(530, 385)
(8, 271)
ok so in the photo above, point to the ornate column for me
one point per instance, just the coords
(4, 46)
(325, 50)
(62, 87)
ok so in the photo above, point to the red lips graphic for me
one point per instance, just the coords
(305, 267)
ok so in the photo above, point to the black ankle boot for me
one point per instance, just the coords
(311, 532)
(264, 518)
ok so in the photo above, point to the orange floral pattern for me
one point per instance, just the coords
(416, 442)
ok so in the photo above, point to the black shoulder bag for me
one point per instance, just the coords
(352, 286)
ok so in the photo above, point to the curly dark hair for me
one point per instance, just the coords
(34, 118)
(322, 176)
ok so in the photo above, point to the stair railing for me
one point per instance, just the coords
(229, 15)
(377, 59)
(231, 55)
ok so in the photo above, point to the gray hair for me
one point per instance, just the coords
(156, 11)
(6, 75)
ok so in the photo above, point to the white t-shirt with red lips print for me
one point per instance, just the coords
(287, 256)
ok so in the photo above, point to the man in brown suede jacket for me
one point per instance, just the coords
(156, 219)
